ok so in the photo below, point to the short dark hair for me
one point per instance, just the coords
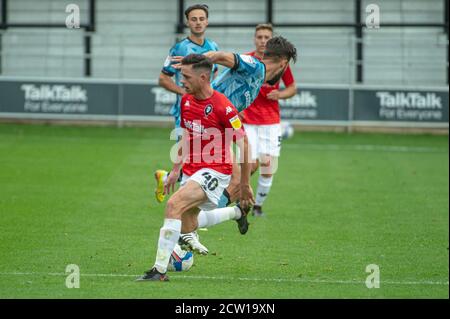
(203, 7)
(278, 47)
(198, 61)
(264, 26)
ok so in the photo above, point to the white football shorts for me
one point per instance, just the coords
(264, 140)
(213, 184)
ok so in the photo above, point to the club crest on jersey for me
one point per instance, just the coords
(208, 110)
(236, 122)
(228, 110)
(186, 103)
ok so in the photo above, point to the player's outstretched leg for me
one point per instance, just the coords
(220, 215)
(190, 241)
(160, 177)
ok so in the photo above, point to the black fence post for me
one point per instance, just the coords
(269, 12)
(446, 29)
(359, 43)
(3, 26)
(87, 55)
(180, 25)
(88, 40)
(4, 23)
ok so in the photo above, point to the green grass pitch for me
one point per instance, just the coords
(339, 202)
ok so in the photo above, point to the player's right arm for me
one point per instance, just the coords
(168, 71)
(179, 158)
(167, 82)
(174, 174)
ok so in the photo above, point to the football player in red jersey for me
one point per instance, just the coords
(262, 121)
(211, 123)
(241, 83)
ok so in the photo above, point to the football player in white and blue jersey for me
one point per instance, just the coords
(197, 21)
(242, 81)
(245, 74)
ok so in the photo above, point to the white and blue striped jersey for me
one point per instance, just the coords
(242, 83)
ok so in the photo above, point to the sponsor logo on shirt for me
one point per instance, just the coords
(228, 110)
(248, 98)
(194, 126)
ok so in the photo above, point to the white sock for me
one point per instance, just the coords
(264, 184)
(216, 216)
(168, 238)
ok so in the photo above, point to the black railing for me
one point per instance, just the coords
(446, 29)
(357, 25)
(88, 27)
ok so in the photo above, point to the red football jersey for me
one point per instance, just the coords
(211, 126)
(264, 111)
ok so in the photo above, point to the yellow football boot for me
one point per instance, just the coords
(159, 190)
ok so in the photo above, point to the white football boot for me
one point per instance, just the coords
(190, 241)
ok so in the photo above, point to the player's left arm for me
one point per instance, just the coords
(177, 155)
(227, 59)
(174, 174)
(286, 93)
(289, 91)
